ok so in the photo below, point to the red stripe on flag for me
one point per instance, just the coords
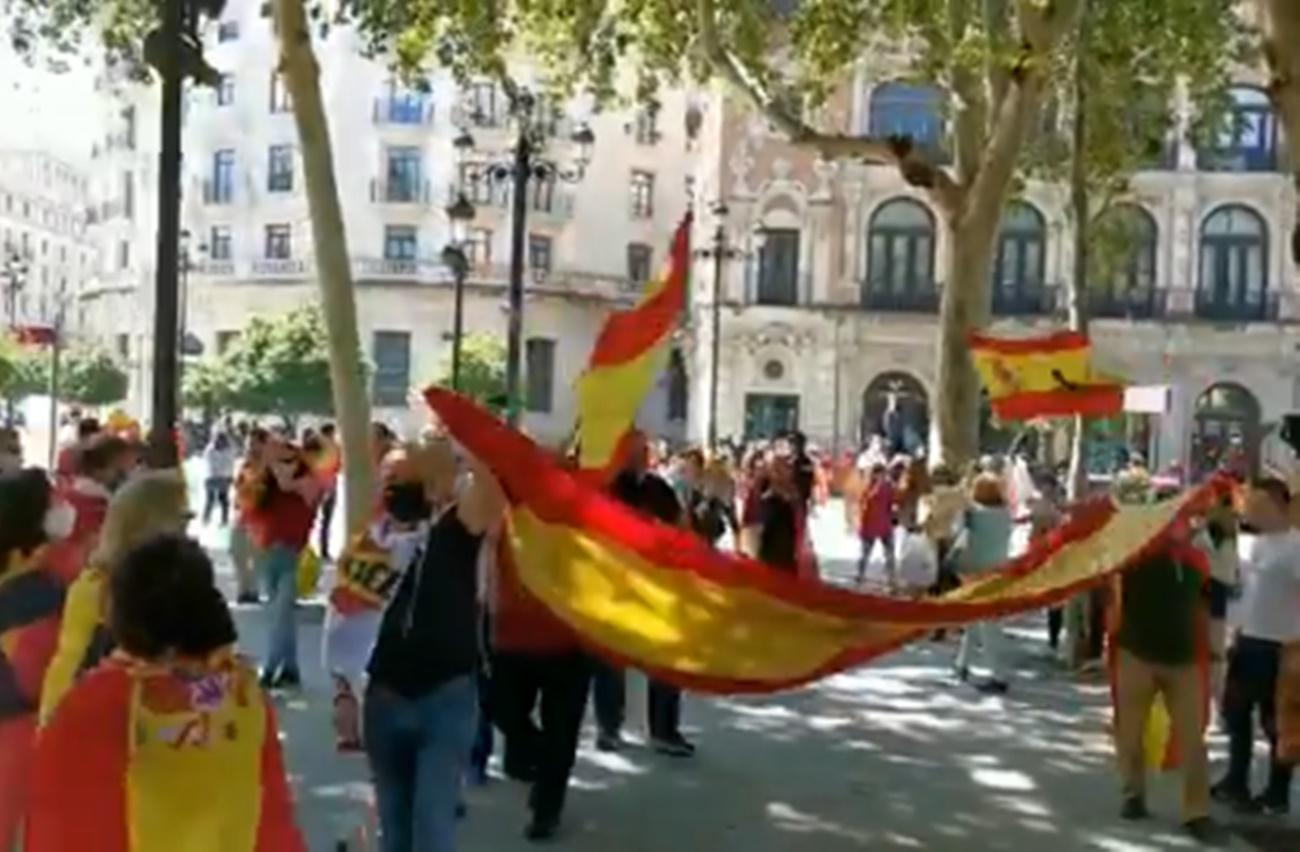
(1060, 341)
(629, 333)
(1090, 401)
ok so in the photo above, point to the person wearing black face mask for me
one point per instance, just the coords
(405, 612)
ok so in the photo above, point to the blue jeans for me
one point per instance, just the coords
(279, 569)
(418, 750)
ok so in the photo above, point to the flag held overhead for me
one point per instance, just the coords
(1049, 376)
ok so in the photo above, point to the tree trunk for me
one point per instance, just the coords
(1281, 22)
(964, 308)
(301, 75)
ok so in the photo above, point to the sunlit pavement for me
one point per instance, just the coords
(895, 755)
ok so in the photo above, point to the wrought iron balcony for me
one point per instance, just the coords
(399, 192)
(1135, 304)
(403, 110)
(921, 298)
(1028, 301)
(287, 267)
(1262, 308)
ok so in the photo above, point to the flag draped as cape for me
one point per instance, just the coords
(660, 599)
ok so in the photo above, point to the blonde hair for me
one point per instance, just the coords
(146, 505)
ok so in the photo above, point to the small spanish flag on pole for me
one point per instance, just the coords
(1048, 376)
(630, 352)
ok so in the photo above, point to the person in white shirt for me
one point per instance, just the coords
(1269, 617)
(220, 457)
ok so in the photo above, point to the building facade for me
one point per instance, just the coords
(47, 255)
(589, 244)
(829, 315)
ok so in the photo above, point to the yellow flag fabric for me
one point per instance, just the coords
(1043, 377)
(658, 598)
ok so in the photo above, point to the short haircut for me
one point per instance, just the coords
(1275, 488)
(164, 598)
(24, 500)
(88, 427)
(101, 452)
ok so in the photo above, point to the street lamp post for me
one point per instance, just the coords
(524, 164)
(719, 252)
(15, 276)
(459, 214)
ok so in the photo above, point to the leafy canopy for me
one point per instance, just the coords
(482, 368)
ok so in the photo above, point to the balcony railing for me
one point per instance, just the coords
(217, 192)
(288, 267)
(1141, 303)
(919, 299)
(1023, 302)
(408, 111)
(390, 269)
(399, 192)
(216, 268)
(1263, 309)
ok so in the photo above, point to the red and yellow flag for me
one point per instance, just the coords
(658, 598)
(629, 354)
(1048, 376)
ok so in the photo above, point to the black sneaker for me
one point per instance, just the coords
(993, 687)
(610, 742)
(1270, 807)
(1230, 794)
(266, 679)
(288, 679)
(1134, 808)
(963, 673)
(673, 747)
(540, 829)
(1206, 832)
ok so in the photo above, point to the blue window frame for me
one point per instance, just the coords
(1247, 139)
(405, 171)
(392, 376)
(400, 242)
(900, 258)
(1020, 271)
(912, 110)
(1234, 266)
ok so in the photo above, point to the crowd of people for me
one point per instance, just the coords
(108, 612)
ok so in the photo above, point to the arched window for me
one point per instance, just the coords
(1227, 431)
(900, 258)
(914, 110)
(896, 407)
(1234, 267)
(1246, 140)
(1122, 264)
(1020, 270)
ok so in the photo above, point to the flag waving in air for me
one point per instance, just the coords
(662, 600)
(1048, 376)
(630, 352)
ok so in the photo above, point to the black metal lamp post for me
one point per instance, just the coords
(459, 213)
(524, 164)
(719, 252)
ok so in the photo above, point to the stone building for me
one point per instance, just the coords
(829, 315)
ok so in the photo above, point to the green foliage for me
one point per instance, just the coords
(280, 365)
(208, 385)
(24, 371)
(482, 368)
(91, 377)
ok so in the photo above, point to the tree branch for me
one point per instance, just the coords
(995, 28)
(971, 111)
(915, 167)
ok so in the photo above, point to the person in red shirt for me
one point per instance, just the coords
(876, 520)
(284, 515)
(102, 465)
(30, 602)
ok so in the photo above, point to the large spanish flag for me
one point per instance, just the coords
(629, 354)
(1048, 376)
(658, 598)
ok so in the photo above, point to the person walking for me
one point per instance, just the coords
(420, 706)
(876, 522)
(150, 503)
(284, 514)
(31, 599)
(219, 457)
(1269, 617)
(1161, 609)
(984, 543)
(250, 476)
(328, 465)
(169, 744)
(637, 487)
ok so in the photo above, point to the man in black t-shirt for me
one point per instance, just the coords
(648, 493)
